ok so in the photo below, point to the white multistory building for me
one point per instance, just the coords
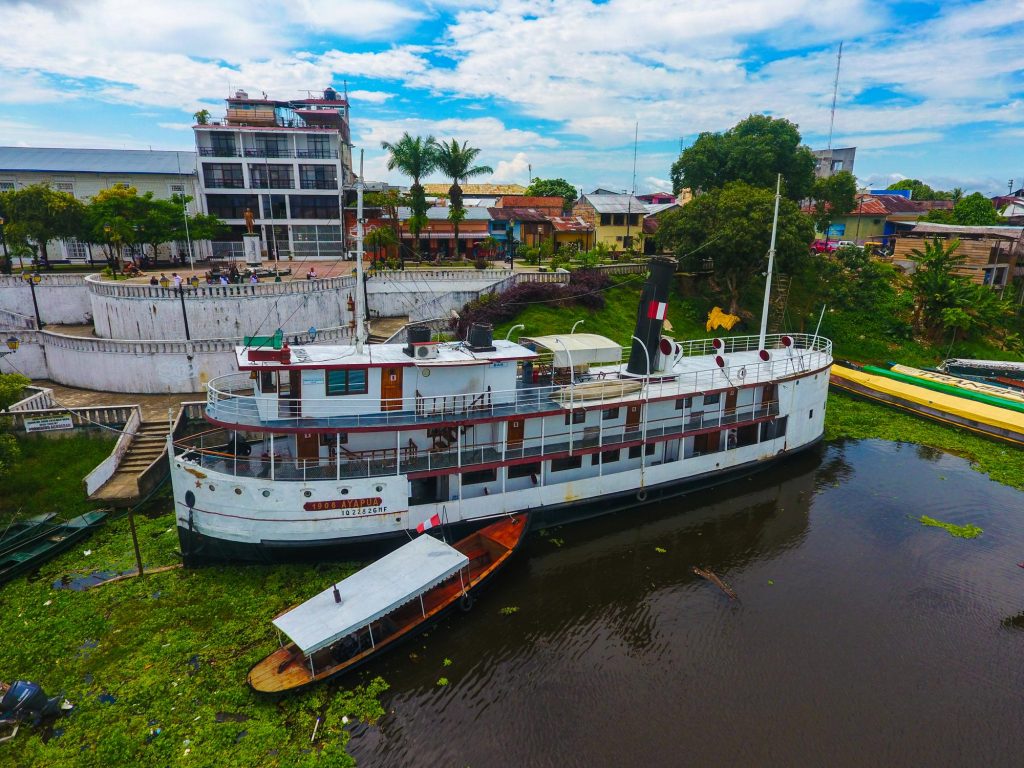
(289, 163)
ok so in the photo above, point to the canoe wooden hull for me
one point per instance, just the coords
(287, 671)
(59, 539)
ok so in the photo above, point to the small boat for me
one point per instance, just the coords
(37, 550)
(386, 602)
(901, 392)
(955, 385)
(961, 366)
(21, 531)
(1008, 382)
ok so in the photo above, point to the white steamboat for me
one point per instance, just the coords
(317, 448)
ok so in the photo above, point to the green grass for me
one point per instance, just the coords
(171, 648)
(969, 531)
(48, 478)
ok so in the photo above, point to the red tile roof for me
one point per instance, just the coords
(518, 214)
(570, 224)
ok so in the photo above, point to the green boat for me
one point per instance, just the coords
(20, 531)
(37, 551)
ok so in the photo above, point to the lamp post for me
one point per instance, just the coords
(33, 280)
(180, 290)
(3, 242)
(12, 346)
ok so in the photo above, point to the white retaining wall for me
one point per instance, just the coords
(136, 312)
(61, 298)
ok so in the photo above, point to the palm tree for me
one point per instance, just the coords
(415, 157)
(935, 281)
(456, 163)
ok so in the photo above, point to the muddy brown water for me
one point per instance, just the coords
(860, 637)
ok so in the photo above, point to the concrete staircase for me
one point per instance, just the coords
(149, 444)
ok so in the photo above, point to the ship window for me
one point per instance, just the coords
(348, 381)
(610, 413)
(810, 414)
(578, 417)
(685, 402)
(714, 399)
(634, 452)
(267, 382)
(569, 462)
(523, 470)
(606, 457)
(773, 429)
(481, 476)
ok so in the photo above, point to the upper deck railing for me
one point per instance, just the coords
(232, 400)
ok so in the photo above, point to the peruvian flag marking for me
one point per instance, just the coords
(426, 525)
(656, 310)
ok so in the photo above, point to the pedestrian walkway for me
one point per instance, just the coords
(154, 407)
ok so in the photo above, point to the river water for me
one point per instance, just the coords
(860, 637)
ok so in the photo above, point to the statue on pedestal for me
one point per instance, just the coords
(250, 220)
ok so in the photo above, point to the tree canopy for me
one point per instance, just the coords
(733, 225)
(833, 197)
(553, 188)
(37, 214)
(920, 191)
(753, 151)
(975, 210)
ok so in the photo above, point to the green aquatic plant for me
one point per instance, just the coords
(447, 662)
(969, 531)
(660, 550)
(442, 681)
(508, 610)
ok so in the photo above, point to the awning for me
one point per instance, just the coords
(370, 593)
(578, 348)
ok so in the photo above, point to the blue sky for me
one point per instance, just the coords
(927, 90)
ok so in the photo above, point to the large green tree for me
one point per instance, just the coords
(415, 157)
(113, 219)
(753, 151)
(553, 188)
(920, 191)
(833, 197)
(733, 225)
(457, 163)
(36, 214)
(975, 210)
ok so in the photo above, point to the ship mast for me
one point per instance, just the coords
(771, 265)
(360, 286)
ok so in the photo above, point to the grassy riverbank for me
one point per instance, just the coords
(156, 665)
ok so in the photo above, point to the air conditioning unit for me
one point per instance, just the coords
(425, 350)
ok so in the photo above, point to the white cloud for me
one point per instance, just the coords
(176, 126)
(24, 134)
(512, 171)
(373, 97)
(658, 185)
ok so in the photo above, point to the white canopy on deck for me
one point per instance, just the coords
(370, 593)
(580, 348)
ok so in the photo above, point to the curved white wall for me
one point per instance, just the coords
(61, 298)
(135, 312)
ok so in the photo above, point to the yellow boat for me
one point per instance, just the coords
(984, 419)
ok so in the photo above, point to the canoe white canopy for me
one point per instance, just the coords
(370, 593)
(580, 348)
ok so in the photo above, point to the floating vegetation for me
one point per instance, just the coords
(442, 681)
(969, 531)
(557, 542)
(447, 662)
(660, 550)
(508, 610)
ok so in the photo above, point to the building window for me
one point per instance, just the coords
(610, 413)
(348, 381)
(685, 402)
(318, 241)
(274, 206)
(523, 470)
(714, 399)
(76, 250)
(481, 476)
(222, 144)
(606, 219)
(6, 186)
(318, 177)
(499, 226)
(314, 206)
(269, 145)
(223, 175)
(267, 382)
(578, 416)
(231, 206)
(634, 452)
(176, 189)
(569, 462)
(65, 186)
(271, 176)
(318, 147)
(773, 429)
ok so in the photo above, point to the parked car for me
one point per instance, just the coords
(846, 244)
(822, 246)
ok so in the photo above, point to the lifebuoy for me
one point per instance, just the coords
(641, 495)
(466, 602)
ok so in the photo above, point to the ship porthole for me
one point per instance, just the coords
(238, 491)
(344, 491)
(641, 495)
(266, 494)
(307, 494)
(380, 488)
(211, 487)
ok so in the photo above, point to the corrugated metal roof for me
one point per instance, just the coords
(440, 213)
(570, 224)
(616, 203)
(476, 190)
(109, 161)
(653, 209)
(999, 232)
(517, 214)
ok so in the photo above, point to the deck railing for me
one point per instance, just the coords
(214, 451)
(232, 400)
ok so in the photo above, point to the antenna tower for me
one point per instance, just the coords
(835, 93)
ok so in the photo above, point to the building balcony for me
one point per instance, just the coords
(218, 152)
(224, 184)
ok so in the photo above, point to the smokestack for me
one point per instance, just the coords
(650, 316)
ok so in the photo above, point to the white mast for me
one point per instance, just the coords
(360, 296)
(771, 264)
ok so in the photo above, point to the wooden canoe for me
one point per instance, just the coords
(20, 531)
(38, 550)
(287, 669)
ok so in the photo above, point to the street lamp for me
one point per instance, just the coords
(180, 290)
(12, 346)
(33, 280)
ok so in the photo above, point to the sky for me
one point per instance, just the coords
(933, 91)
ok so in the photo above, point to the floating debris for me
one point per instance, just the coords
(660, 550)
(969, 531)
(508, 610)
(710, 576)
